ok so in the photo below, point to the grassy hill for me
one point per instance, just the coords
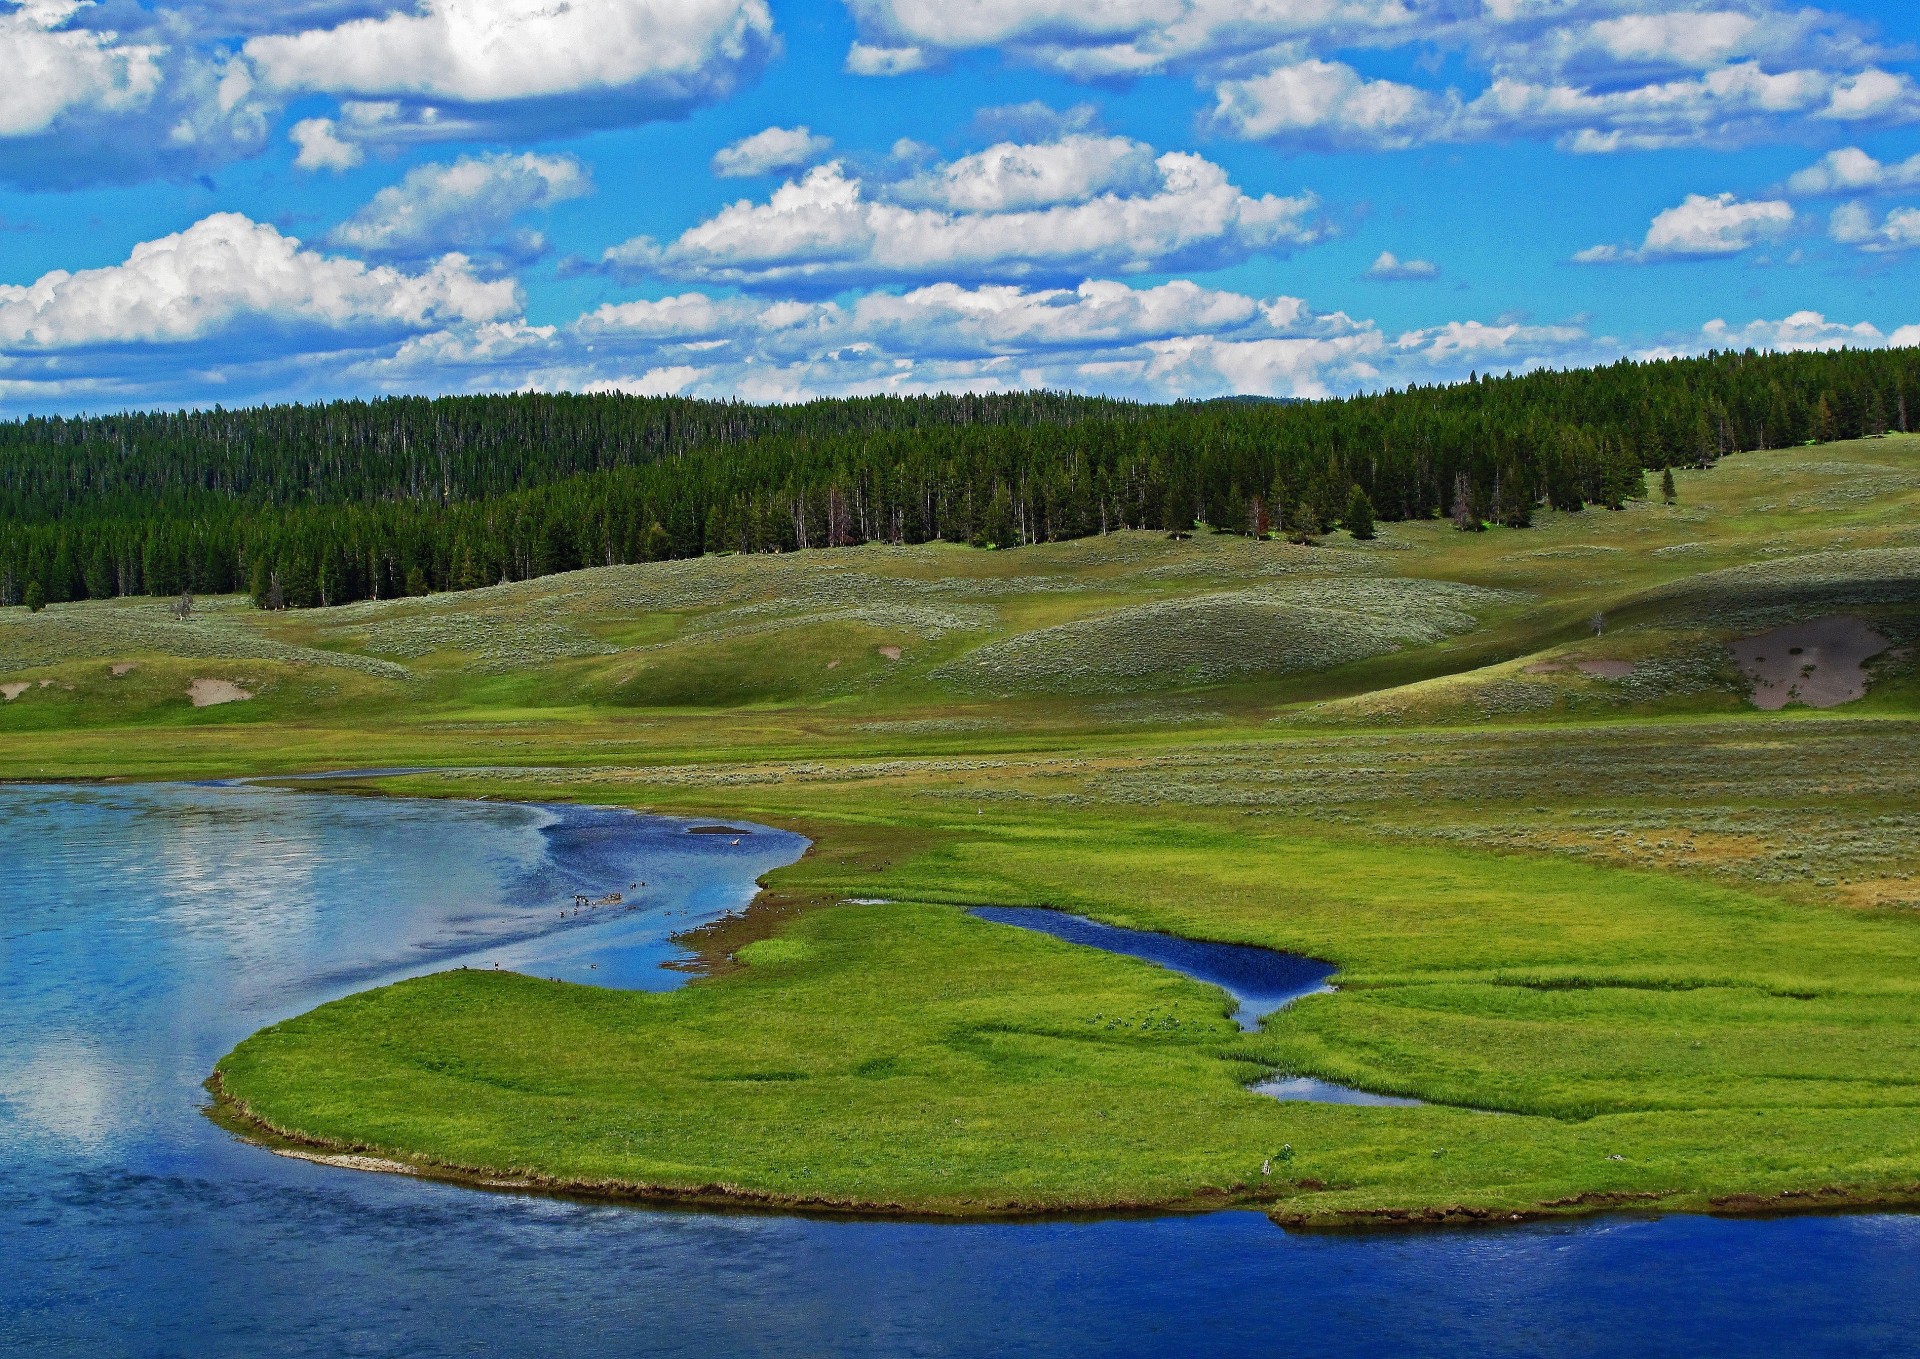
(1514, 783)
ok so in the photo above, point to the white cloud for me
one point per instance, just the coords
(865, 59)
(1013, 175)
(1700, 227)
(1596, 75)
(1330, 101)
(227, 273)
(467, 205)
(1318, 102)
(488, 51)
(1851, 170)
(1136, 37)
(52, 69)
(320, 326)
(1802, 330)
(1172, 340)
(1512, 345)
(1063, 211)
(83, 105)
(654, 55)
(1391, 268)
(1852, 224)
(776, 148)
(321, 148)
(1688, 38)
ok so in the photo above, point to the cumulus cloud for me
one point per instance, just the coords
(489, 51)
(53, 68)
(1056, 211)
(1854, 224)
(320, 148)
(1391, 268)
(1317, 102)
(1851, 170)
(1173, 339)
(515, 63)
(468, 205)
(776, 148)
(1700, 227)
(86, 105)
(1594, 75)
(1803, 330)
(1138, 38)
(227, 273)
(1330, 102)
(319, 325)
(1170, 340)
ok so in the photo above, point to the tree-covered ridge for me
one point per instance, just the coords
(327, 504)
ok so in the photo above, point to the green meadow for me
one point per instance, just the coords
(1633, 939)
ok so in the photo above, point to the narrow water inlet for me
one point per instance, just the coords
(1260, 980)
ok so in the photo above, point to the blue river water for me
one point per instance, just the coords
(1260, 980)
(144, 930)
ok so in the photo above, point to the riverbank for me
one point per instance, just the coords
(904, 1057)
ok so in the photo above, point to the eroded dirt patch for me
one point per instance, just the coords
(1818, 662)
(1597, 669)
(211, 693)
(1605, 669)
(12, 690)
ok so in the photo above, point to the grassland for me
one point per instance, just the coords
(1636, 941)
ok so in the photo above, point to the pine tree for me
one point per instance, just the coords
(1359, 516)
(36, 597)
(1667, 491)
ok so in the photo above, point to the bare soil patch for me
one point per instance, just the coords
(1605, 669)
(121, 669)
(1818, 662)
(892, 653)
(1598, 669)
(211, 693)
(14, 689)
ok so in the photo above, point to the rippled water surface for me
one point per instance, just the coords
(143, 931)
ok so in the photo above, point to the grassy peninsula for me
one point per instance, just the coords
(1635, 939)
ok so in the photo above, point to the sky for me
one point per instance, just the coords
(212, 201)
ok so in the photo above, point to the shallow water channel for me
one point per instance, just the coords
(145, 930)
(1260, 981)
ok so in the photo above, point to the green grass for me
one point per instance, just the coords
(1719, 1043)
(1667, 942)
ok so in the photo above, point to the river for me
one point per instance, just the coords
(145, 930)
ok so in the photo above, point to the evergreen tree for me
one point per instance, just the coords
(1359, 516)
(36, 596)
(1668, 493)
(996, 526)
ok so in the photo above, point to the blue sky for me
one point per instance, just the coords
(213, 201)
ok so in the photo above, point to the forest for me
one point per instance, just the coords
(326, 504)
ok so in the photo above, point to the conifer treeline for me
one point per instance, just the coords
(304, 505)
